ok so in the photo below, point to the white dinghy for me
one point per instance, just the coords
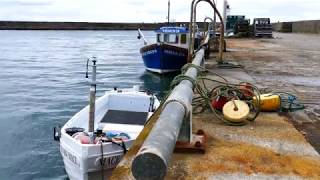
(94, 140)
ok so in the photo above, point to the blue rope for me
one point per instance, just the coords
(289, 102)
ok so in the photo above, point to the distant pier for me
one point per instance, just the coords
(25, 25)
(312, 26)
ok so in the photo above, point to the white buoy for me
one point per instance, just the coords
(236, 111)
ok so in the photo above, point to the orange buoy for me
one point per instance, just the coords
(246, 89)
(82, 138)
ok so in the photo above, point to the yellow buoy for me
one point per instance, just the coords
(236, 111)
(268, 102)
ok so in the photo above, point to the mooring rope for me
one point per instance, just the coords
(122, 145)
(288, 102)
(102, 161)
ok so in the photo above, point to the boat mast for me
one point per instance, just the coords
(215, 16)
(168, 12)
(226, 9)
(92, 100)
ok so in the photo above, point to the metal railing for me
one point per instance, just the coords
(211, 26)
(193, 24)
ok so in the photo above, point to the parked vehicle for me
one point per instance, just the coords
(262, 27)
(242, 27)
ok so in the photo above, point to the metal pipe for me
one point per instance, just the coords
(152, 160)
(214, 18)
(168, 12)
(192, 30)
(209, 26)
(225, 4)
(92, 96)
(221, 44)
(190, 50)
(192, 25)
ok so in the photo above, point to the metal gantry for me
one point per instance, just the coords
(193, 24)
(210, 26)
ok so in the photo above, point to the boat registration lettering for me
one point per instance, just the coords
(70, 156)
(173, 53)
(112, 161)
(149, 52)
(170, 30)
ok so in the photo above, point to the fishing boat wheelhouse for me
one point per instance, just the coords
(169, 53)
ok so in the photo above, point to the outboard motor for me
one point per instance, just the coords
(56, 133)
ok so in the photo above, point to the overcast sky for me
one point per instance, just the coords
(150, 10)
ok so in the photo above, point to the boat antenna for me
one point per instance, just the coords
(168, 12)
(93, 88)
(87, 71)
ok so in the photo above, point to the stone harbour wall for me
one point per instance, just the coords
(312, 26)
(19, 25)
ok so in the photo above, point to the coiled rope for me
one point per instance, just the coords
(233, 92)
(206, 95)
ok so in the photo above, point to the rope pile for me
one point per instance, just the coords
(214, 98)
(211, 99)
(224, 89)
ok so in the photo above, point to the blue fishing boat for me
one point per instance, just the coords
(169, 53)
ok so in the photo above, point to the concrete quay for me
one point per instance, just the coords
(275, 145)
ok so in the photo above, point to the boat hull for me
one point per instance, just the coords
(124, 111)
(164, 58)
(84, 167)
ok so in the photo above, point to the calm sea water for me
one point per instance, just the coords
(42, 84)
